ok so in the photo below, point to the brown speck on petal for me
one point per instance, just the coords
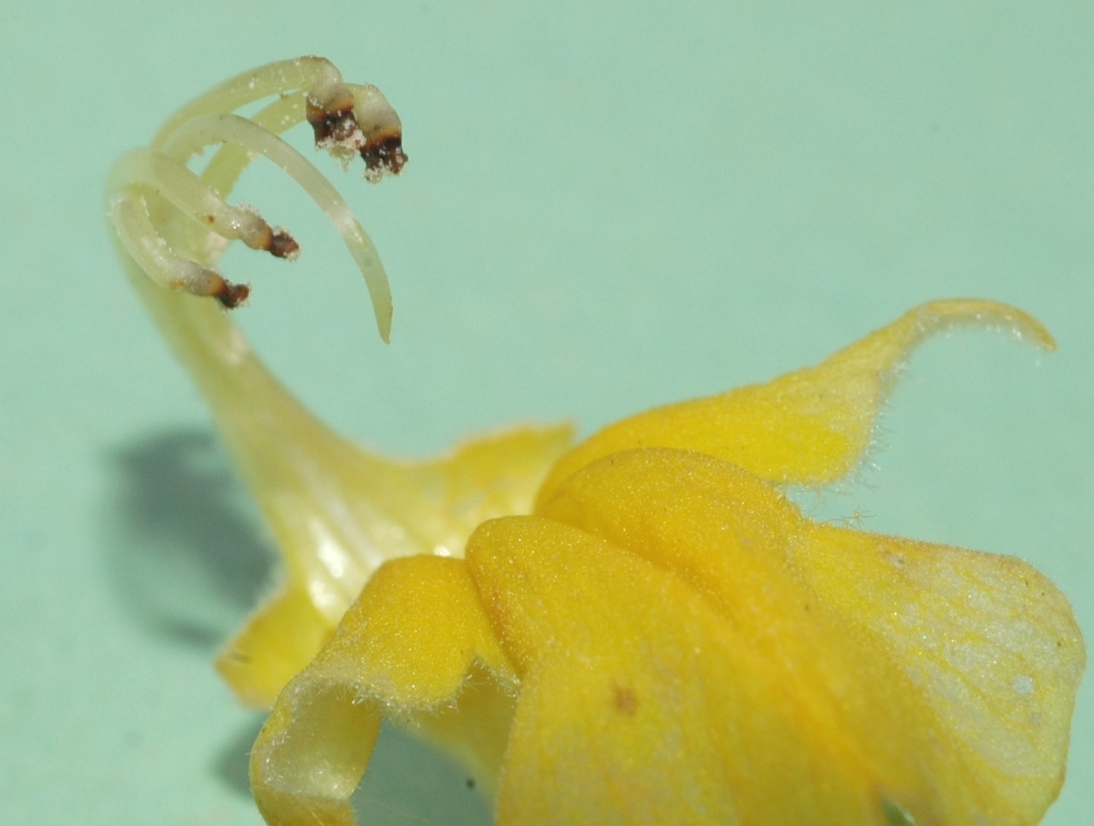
(624, 700)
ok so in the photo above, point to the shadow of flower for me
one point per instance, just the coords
(185, 549)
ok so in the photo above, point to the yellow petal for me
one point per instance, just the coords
(413, 635)
(408, 648)
(964, 663)
(991, 643)
(641, 704)
(276, 642)
(311, 753)
(808, 427)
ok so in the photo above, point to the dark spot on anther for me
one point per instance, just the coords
(624, 699)
(232, 295)
(239, 657)
(470, 782)
(337, 130)
(332, 125)
(209, 219)
(283, 245)
(383, 152)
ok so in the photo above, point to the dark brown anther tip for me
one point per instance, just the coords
(283, 245)
(232, 295)
(332, 126)
(384, 153)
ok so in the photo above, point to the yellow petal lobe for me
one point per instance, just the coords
(900, 645)
(276, 642)
(808, 427)
(641, 704)
(406, 649)
(991, 645)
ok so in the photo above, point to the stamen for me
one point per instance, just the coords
(207, 130)
(347, 120)
(279, 78)
(230, 160)
(383, 147)
(151, 252)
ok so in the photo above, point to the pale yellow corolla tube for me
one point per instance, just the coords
(641, 629)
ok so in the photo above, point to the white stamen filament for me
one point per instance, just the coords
(207, 130)
(143, 180)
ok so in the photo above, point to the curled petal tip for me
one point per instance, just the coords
(940, 315)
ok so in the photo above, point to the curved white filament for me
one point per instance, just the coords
(194, 135)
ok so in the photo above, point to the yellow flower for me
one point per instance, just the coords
(641, 629)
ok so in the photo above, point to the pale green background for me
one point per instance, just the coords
(607, 206)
